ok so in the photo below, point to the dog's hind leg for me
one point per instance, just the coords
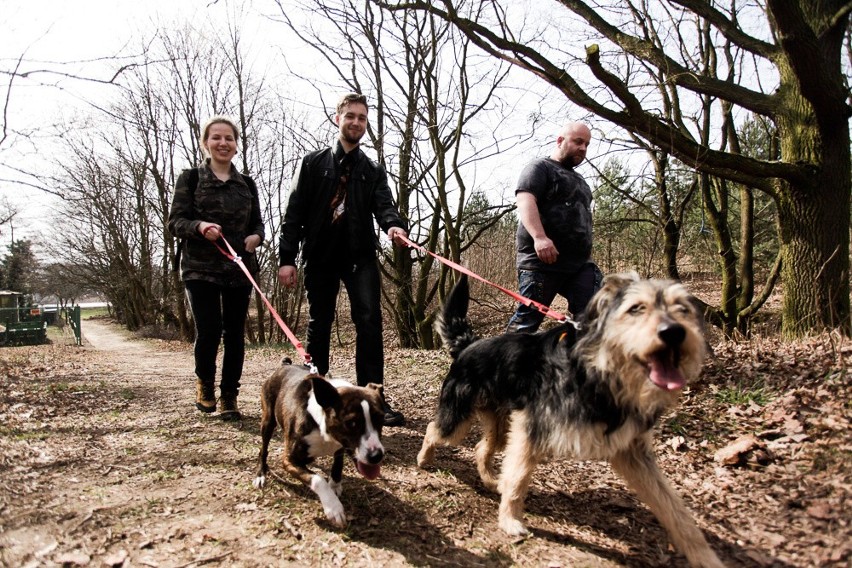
(519, 463)
(487, 447)
(267, 428)
(433, 438)
(638, 466)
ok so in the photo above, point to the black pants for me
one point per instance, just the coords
(219, 313)
(363, 285)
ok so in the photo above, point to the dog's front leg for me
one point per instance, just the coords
(331, 505)
(337, 472)
(519, 463)
(638, 466)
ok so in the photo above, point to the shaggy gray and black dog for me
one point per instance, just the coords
(596, 394)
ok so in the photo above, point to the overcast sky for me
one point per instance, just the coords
(75, 37)
(82, 38)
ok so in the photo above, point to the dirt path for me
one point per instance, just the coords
(106, 462)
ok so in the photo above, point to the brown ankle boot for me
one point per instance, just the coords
(228, 406)
(205, 396)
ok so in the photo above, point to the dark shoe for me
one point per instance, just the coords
(393, 418)
(205, 396)
(228, 407)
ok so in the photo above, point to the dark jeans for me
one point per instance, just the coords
(578, 288)
(220, 315)
(363, 285)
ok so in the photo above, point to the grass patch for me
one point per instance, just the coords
(89, 313)
(677, 424)
(55, 388)
(23, 435)
(744, 395)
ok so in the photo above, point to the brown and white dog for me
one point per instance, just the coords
(321, 417)
(596, 393)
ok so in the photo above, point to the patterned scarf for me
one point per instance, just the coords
(338, 202)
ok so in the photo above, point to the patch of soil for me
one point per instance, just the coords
(105, 461)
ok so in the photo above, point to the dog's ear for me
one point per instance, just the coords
(612, 285)
(325, 393)
(377, 387)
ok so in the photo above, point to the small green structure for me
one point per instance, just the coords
(21, 323)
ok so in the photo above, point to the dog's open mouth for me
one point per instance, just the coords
(664, 370)
(368, 470)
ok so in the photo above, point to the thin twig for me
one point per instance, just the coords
(204, 560)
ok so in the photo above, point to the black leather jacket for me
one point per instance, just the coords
(368, 197)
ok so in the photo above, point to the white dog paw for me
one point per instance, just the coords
(513, 527)
(259, 481)
(425, 458)
(335, 514)
(328, 497)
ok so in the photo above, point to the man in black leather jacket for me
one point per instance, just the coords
(336, 194)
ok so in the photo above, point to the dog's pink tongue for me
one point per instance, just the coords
(666, 376)
(368, 470)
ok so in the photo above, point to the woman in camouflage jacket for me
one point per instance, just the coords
(211, 202)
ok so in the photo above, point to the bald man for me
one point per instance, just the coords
(554, 239)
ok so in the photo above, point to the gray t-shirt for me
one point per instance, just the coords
(564, 202)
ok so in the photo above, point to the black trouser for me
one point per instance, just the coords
(220, 315)
(363, 285)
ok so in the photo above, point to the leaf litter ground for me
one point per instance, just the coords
(104, 461)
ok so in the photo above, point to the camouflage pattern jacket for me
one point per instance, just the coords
(234, 205)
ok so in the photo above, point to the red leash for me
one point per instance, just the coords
(232, 255)
(546, 310)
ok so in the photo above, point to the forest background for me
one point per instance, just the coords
(721, 147)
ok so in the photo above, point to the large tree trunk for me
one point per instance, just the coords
(815, 241)
(814, 214)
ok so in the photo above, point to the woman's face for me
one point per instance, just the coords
(221, 143)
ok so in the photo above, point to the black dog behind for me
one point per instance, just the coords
(592, 394)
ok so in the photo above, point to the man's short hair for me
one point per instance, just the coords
(350, 98)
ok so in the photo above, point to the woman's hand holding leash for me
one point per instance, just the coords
(210, 231)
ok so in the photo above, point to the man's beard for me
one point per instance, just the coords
(349, 139)
(573, 161)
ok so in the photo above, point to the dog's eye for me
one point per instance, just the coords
(681, 309)
(636, 309)
(351, 424)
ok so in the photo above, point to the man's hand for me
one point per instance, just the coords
(546, 250)
(395, 234)
(528, 215)
(287, 276)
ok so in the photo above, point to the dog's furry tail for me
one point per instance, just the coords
(452, 325)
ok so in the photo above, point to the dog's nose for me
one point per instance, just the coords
(671, 333)
(375, 456)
